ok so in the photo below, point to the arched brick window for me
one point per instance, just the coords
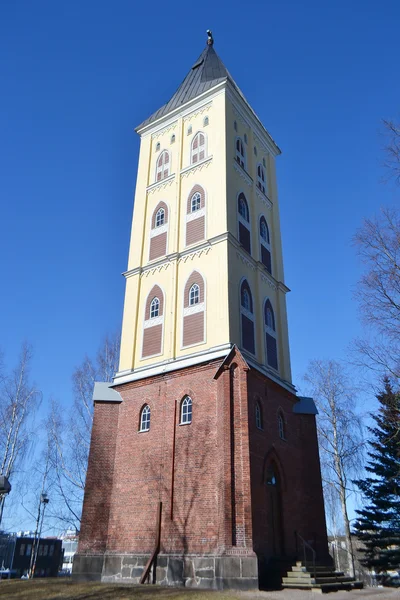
(193, 310)
(144, 424)
(195, 216)
(153, 323)
(261, 179)
(259, 419)
(281, 426)
(159, 231)
(240, 152)
(270, 336)
(265, 244)
(198, 148)
(244, 223)
(247, 317)
(163, 166)
(186, 410)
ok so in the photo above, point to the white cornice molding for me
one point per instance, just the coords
(156, 269)
(248, 261)
(264, 199)
(173, 364)
(159, 185)
(258, 142)
(182, 111)
(194, 254)
(197, 111)
(196, 167)
(160, 132)
(243, 174)
(249, 117)
(269, 280)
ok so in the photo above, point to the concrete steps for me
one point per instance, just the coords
(326, 579)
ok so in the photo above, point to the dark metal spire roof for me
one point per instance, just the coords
(207, 72)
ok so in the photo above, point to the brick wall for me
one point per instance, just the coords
(210, 475)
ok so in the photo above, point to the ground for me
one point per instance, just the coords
(56, 589)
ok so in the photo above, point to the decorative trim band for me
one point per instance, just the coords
(243, 174)
(192, 310)
(195, 215)
(264, 199)
(196, 167)
(159, 230)
(158, 185)
(153, 322)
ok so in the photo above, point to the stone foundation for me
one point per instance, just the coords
(207, 572)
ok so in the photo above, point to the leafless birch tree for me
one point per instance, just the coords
(393, 149)
(71, 433)
(18, 401)
(340, 435)
(378, 292)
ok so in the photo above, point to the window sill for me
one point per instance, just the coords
(183, 424)
(144, 430)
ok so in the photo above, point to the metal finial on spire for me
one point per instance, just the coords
(210, 40)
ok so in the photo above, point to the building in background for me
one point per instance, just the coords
(202, 454)
(69, 540)
(16, 550)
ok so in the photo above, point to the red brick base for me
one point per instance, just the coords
(226, 486)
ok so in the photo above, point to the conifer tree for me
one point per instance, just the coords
(378, 524)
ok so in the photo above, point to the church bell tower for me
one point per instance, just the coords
(203, 462)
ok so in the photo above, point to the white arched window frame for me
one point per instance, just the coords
(259, 423)
(194, 295)
(270, 330)
(163, 165)
(240, 152)
(154, 308)
(198, 150)
(261, 179)
(160, 217)
(186, 410)
(145, 418)
(195, 202)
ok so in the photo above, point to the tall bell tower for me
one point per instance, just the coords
(203, 462)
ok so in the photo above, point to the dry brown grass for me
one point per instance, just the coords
(62, 589)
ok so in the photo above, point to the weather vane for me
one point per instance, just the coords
(210, 39)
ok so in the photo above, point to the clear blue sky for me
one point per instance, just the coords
(76, 78)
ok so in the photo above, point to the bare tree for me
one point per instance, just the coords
(18, 400)
(393, 149)
(340, 435)
(378, 292)
(71, 434)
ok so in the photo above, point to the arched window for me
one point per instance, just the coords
(247, 317)
(194, 311)
(240, 152)
(270, 336)
(173, 138)
(145, 418)
(162, 170)
(255, 151)
(189, 130)
(265, 245)
(159, 231)
(158, 147)
(235, 125)
(261, 179)
(198, 150)
(245, 138)
(281, 426)
(205, 121)
(194, 294)
(195, 215)
(160, 217)
(259, 422)
(244, 223)
(186, 410)
(195, 203)
(243, 208)
(154, 308)
(264, 163)
(153, 323)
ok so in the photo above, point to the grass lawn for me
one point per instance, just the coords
(63, 589)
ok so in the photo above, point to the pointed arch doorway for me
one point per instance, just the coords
(273, 484)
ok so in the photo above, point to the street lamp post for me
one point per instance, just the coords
(36, 540)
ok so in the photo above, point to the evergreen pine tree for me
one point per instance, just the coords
(378, 524)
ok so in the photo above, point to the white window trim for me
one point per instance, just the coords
(196, 214)
(141, 428)
(163, 167)
(192, 164)
(158, 230)
(181, 422)
(153, 322)
(193, 309)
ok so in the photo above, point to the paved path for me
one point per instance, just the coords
(365, 594)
